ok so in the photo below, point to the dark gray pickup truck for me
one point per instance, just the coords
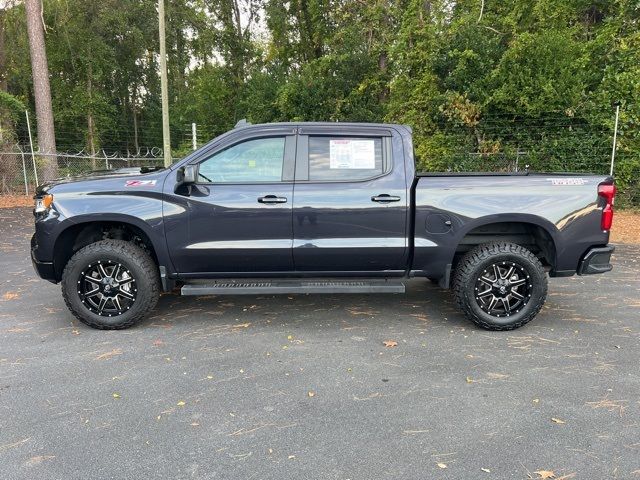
(316, 208)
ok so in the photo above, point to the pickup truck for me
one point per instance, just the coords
(316, 208)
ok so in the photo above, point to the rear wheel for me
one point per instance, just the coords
(500, 286)
(110, 284)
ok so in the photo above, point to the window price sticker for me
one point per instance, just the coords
(352, 154)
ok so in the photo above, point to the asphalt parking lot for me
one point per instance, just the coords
(302, 387)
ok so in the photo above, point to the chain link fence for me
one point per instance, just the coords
(21, 172)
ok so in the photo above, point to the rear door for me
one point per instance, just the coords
(350, 202)
(237, 217)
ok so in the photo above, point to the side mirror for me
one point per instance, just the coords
(186, 177)
(189, 174)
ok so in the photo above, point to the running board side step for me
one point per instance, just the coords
(257, 287)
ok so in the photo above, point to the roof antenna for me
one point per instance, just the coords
(242, 123)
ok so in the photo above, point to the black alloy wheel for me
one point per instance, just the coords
(106, 288)
(503, 289)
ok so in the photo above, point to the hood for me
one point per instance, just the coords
(96, 175)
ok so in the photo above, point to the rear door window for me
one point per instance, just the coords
(345, 158)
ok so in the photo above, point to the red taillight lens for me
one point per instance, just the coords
(608, 192)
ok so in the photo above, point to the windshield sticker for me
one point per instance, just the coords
(140, 183)
(352, 154)
(568, 181)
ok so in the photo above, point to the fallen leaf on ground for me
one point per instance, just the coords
(545, 474)
(181, 403)
(609, 405)
(486, 470)
(312, 394)
(10, 296)
(442, 465)
(39, 459)
(390, 343)
(116, 395)
(557, 420)
(112, 353)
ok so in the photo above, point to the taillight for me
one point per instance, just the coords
(608, 192)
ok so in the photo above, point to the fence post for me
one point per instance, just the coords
(194, 140)
(33, 158)
(615, 136)
(106, 160)
(24, 171)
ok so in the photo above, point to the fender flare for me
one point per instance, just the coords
(155, 233)
(471, 224)
(543, 223)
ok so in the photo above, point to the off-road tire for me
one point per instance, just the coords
(136, 260)
(476, 261)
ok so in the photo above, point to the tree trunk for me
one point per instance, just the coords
(3, 55)
(383, 95)
(237, 22)
(91, 131)
(41, 88)
(135, 128)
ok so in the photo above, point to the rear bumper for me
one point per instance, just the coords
(596, 260)
(43, 269)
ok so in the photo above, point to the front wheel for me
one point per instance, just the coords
(110, 284)
(500, 286)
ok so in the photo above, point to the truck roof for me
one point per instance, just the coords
(244, 124)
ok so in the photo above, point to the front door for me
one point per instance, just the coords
(237, 217)
(350, 202)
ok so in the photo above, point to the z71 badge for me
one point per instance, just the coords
(140, 183)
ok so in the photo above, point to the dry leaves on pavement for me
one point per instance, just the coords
(545, 474)
(10, 201)
(626, 227)
(112, 353)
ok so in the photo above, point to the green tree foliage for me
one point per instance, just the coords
(483, 84)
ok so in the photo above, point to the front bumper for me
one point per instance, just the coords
(43, 269)
(596, 260)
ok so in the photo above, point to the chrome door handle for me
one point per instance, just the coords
(384, 198)
(272, 199)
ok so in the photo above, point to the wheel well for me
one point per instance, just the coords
(79, 236)
(531, 236)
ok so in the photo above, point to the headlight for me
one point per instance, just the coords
(43, 203)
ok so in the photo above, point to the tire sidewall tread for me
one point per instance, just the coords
(138, 261)
(475, 260)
